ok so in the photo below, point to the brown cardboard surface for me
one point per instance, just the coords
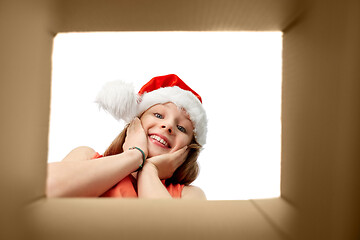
(25, 71)
(137, 219)
(282, 215)
(185, 15)
(320, 115)
(319, 111)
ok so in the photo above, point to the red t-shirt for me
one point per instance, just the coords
(127, 187)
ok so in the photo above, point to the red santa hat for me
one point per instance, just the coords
(120, 100)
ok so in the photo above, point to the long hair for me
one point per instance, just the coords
(185, 174)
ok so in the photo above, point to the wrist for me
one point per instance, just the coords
(136, 158)
(143, 156)
(150, 168)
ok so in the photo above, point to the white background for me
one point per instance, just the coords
(238, 75)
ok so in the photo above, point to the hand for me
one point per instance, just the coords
(136, 136)
(167, 163)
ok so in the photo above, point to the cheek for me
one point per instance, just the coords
(184, 141)
(181, 142)
(145, 123)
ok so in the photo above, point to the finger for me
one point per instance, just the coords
(185, 154)
(137, 124)
(136, 120)
(180, 156)
(133, 124)
(181, 150)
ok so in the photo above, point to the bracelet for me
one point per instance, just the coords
(143, 155)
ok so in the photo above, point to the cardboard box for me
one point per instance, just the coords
(320, 117)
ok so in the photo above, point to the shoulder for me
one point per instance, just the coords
(192, 192)
(80, 153)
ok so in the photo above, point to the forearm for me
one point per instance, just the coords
(90, 178)
(149, 184)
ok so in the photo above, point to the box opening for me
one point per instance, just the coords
(238, 75)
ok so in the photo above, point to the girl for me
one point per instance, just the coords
(153, 157)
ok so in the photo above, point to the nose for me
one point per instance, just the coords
(168, 128)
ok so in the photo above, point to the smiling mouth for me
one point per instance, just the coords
(160, 140)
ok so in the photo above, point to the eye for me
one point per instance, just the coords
(158, 115)
(181, 128)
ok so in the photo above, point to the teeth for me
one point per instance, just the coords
(159, 139)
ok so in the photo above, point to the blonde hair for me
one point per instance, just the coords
(185, 174)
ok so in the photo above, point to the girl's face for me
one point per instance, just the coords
(168, 128)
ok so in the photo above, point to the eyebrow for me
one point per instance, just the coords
(187, 116)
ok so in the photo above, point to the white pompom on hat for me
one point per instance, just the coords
(120, 100)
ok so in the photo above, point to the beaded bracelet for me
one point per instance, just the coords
(143, 155)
